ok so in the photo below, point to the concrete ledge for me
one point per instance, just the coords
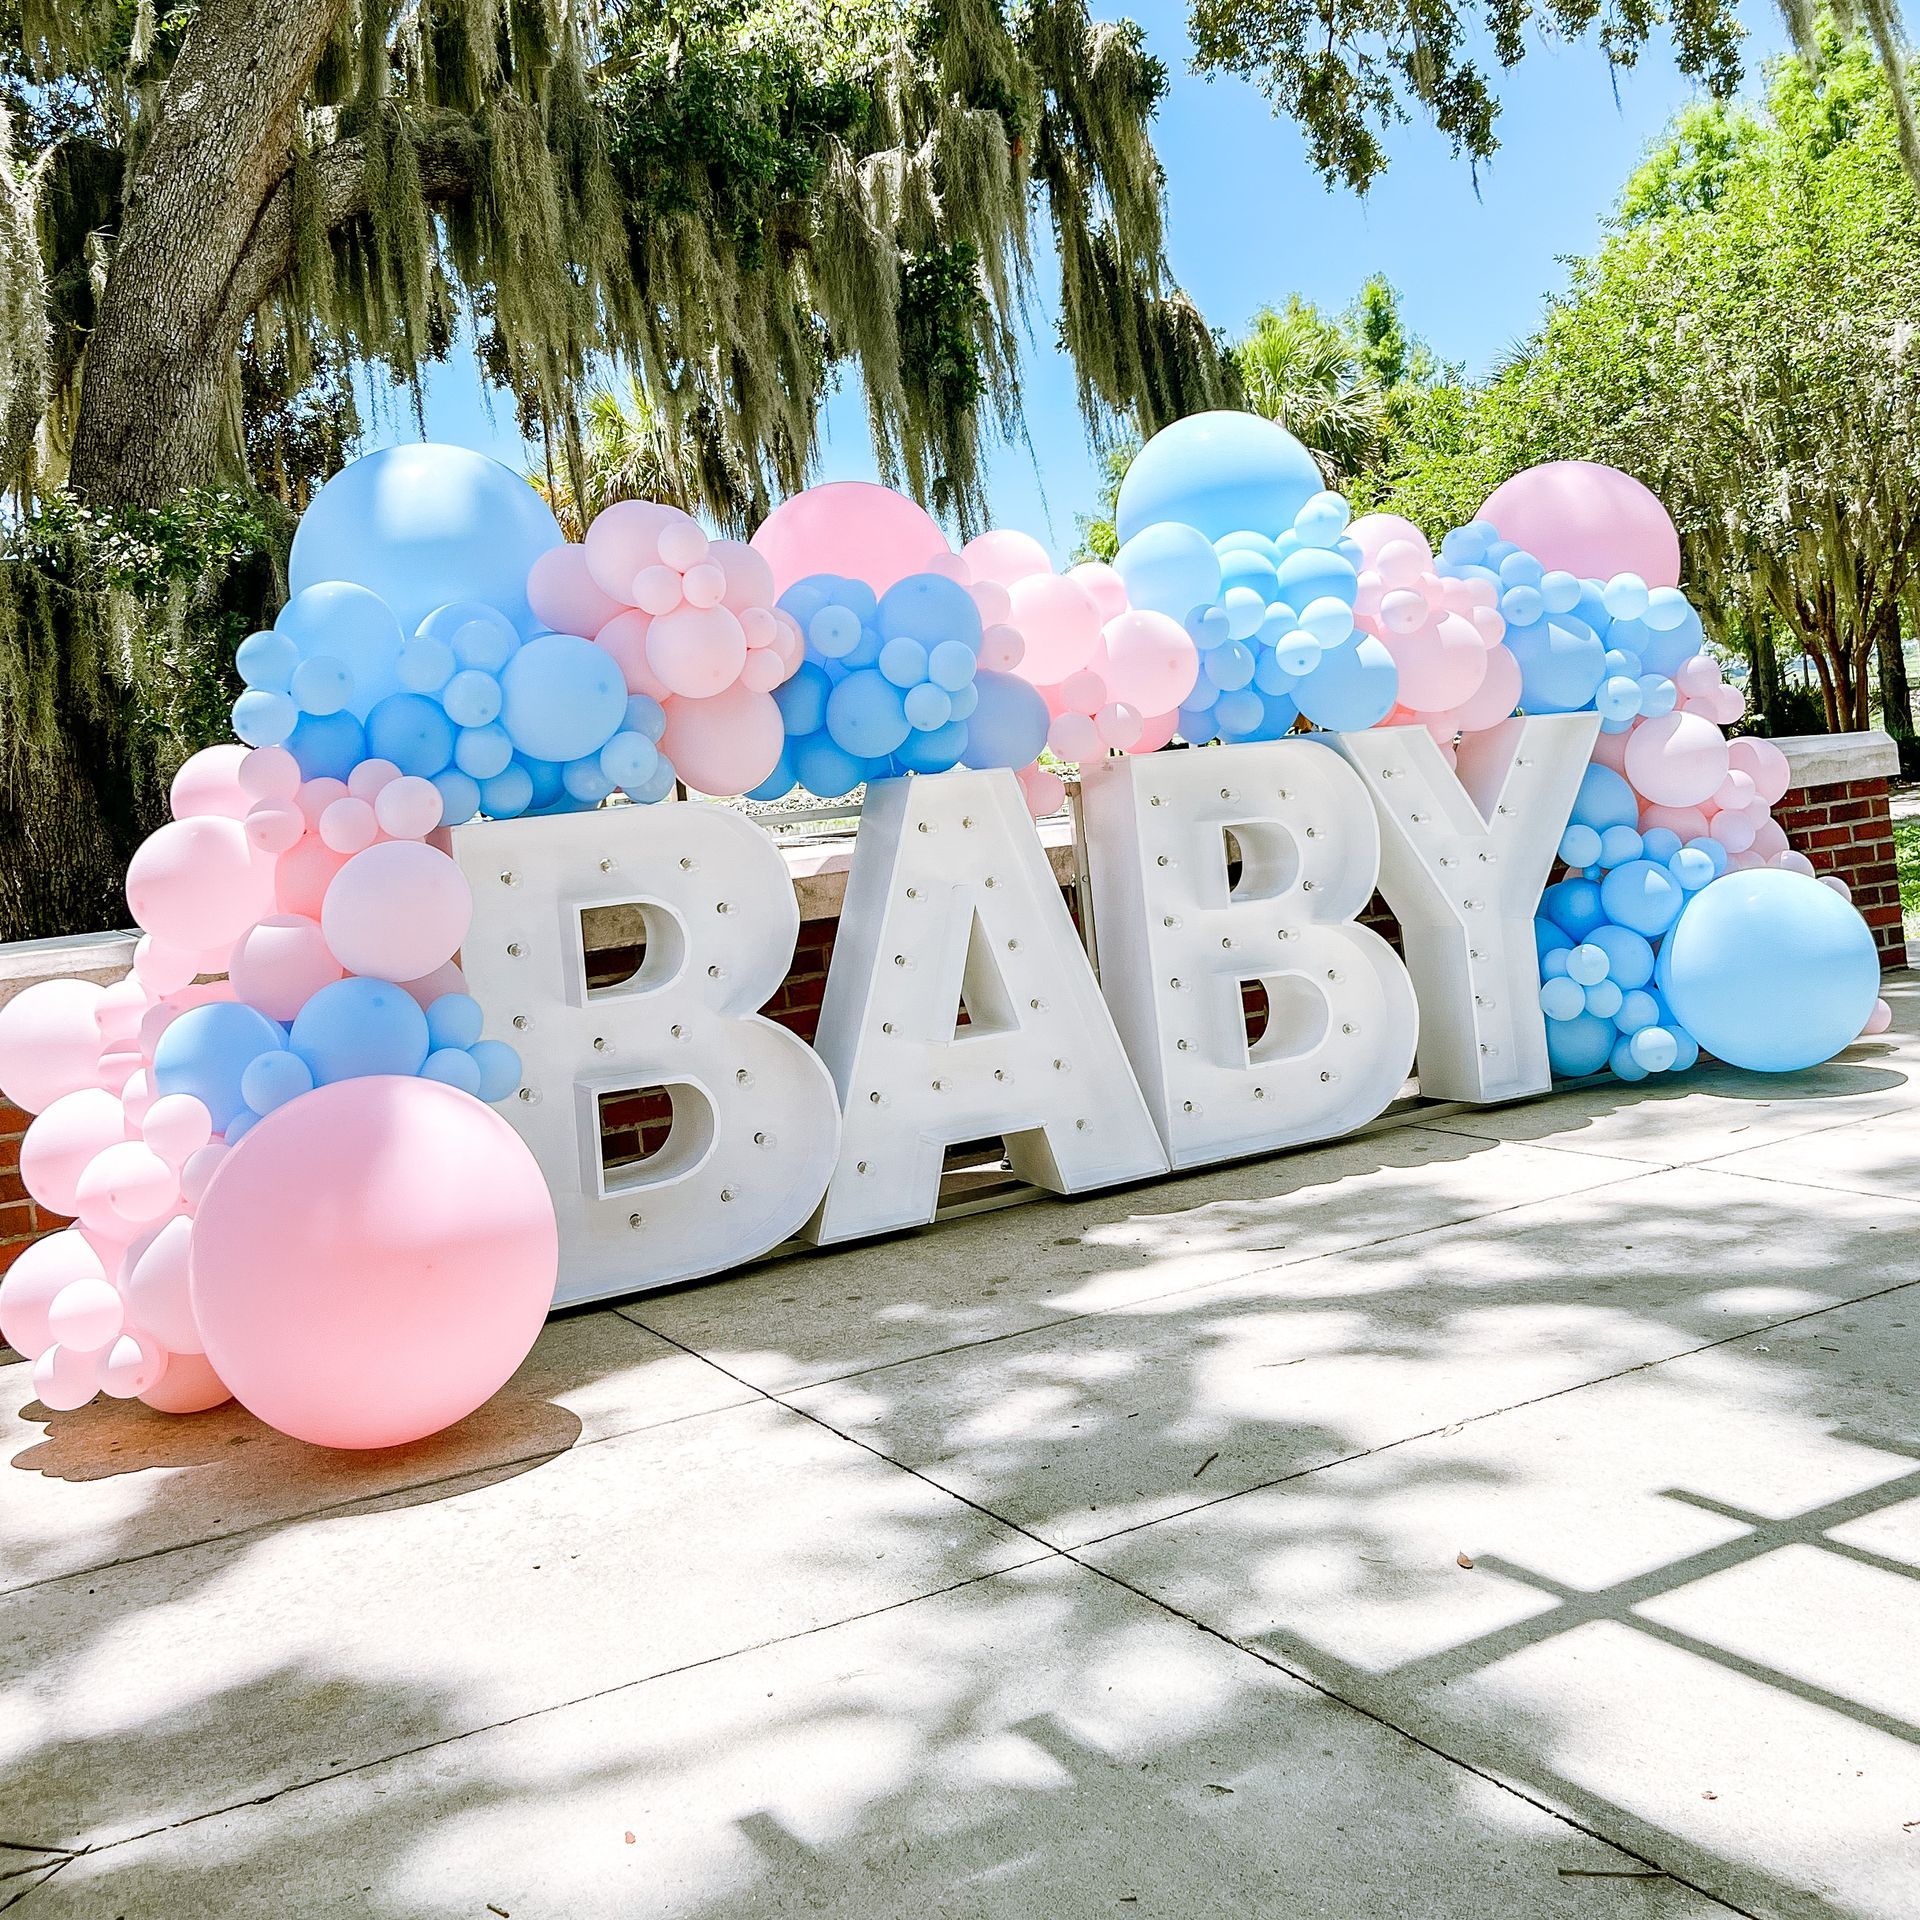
(103, 957)
(1832, 759)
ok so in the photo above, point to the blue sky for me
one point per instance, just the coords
(1249, 223)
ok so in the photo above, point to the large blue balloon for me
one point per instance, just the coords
(1770, 970)
(1221, 472)
(866, 715)
(1009, 726)
(1562, 661)
(930, 608)
(1354, 686)
(562, 698)
(422, 525)
(1170, 568)
(357, 1027)
(206, 1052)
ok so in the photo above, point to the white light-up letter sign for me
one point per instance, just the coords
(1178, 932)
(755, 1121)
(951, 902)
(1463, 862)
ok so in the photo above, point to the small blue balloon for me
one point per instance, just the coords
(1692, 868)
(1618, 845)
(357, 1027)
(1009, 726)
(962, 701)
(1314, 573)
(1229, 667)
(322, 685)
(499, 1069)
(866, 715)
(482, 752)
(1714, 851)
(1329, 620)
(903, 661)
(549, 785)
(1655, 1049)
(1579, 846)
(1636, 1010)
(459, 796)
(934, 750)
(471, 697)
(834, 631)
(1580, 1046)
(453, 1067)
(454, 1020)
(1643, 896)
(826, 769)
(1621, 1059)
(412, 731)
(1587, 964)
(1353, 686)
(1629, 954)
(266, 660)
(273, 1078)
(328, 746)
(508, 794)
(646, 716)
(1240, 714)
(1553, 957)
(1604, 799)
(658, 785)
(264, 719)
(1169, 568)
(927, 707)
(1604, 998)
(1660, 843)
(562, 698)
(1573, 905)
(1561, 663)
(629, 760)
(336, 619)
(929, 608)
(1562, 999)
(481, 638)
(586, 780)
(1560, 591)
(206, 1052)
(426, 665)
(951, 665)
(780, 782)
(802, 700)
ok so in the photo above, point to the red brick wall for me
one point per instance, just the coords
(1846, 830)
(21, 1221)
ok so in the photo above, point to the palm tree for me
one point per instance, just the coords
(1304, 371)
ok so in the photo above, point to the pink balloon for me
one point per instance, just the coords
(850, 527)
(1082, 692)
(409, 808)
(1736, 790)
(1119, 726)
(348, 825)
(371, 778)
(373, 1261)
(429, 987)
(1588, 520)
(187, 1384)
(1006, 555)
(625, 637)
(161, 969)
(764, 671)
(1002, 648)
(275, 826)
(1688, 822)
(563, 594)
(39, 1274)
(176, 1127)
(397, 910)
(1765, 765)
(703, 584)
(1610, 750)
(1701, 674)
(1376, 530)
(280, 964)
(1042, 789)
(49, 1042)
(208, 782)
(995, 603)
(623, 538)
(1769, 838)
(1733, 830)
(86, 1315)
(1492, 701)
(1095, 577)
(1155, 732)
(302, 875)
(200, 1168)
(63, 1141)
(154, 1281)
(749, 578)
(682, 540)
(1073, 736)
(199, 882)
(697, 652)
(727, 744)
(1147, 660)
(657, 589)
(1676, 760)
(1880, 1019)
(1060, 623)
(270, 773)
(1789, 862)
(1402, 611)
(132, 1365)
(125, 1187)
(64, 1378)
(1440, 666)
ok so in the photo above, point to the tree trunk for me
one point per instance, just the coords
(1896, 695)
(160, 362)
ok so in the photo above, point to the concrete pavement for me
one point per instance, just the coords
(1516, 1513)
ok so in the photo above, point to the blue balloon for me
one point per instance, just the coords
(322, 685)
(780, 782)
(1561, 663)
(1637, 1010)
(206, 1052)
(1353, 687)
(1316, 574)
(328, 745)
(1629, 954)
(645, 715)
(802, 699)
(825, 769)
(334, 619)
(274, 1078)
(426, 665)
(1575, 906)
(1642, 895)
(933, 750)
(1588, 964)
(562, 697)
(629, 760)
(412, 731)
(1562, 999)
(357, 1027)
(1009, 726)
(586, 780)
(1618, 845)
(866, 715)
(1656, 1049)
(266, 660)
(903, 660)
(1580, 1046)
(454, 1067)
(658, 785)
(508, 794)
(1169, 568)
(480, 638)
(1249, 567)
(1220, 472)
(424, 525)
(459, 796)
(499, 1068)
(928, 607)
(471, 697)
(1579, 845)
(548, 779)
(454, 1020)
(1769, 970)
(264, 719)
(1240, 713)
(482, 752)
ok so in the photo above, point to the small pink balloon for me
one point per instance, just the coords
(682, 540)
(1148, 661)
(373, 1261)
(764, 671)
(200, 1169)
(1736, 790)
(118, 1066)
(727, 744)
(369, 777)
(1792, 862)
(209, 783)
(176, 1127)
(1101, 584)
(1610, 750)
(625, 638)
(1688, 822)
(349, 825)
(275, 826)
(270, 773)
(749, 578)
(792, 651)
(64, 1140)
(1118, 726)
(317, 795)
(949, 566)
(161, 969)
(1723, 705)
(1007, 555)
(85, 1315)
(119, 1011)
(124, 1187)
(1765, 765)
(154, 1281)
(409, 808)
(279, 965)
(1402, 611)
(1676, 760)
(704, 585)
(1403, 564)
(1769, 838)
(657, 589)
(1082, 692)
(1375, 531)
(1587, 520)
(1488, 624)
(849, 527)
(1880, 1019)
(563, 595)
(1002, 648)
(397, 910)
(49, 1042)
(132, 1365)
(1060, 623)
(994, 603)
(1441, 666)
(430, 986)
(198, 882)
(1074, 737)
(188, 1384)
(302, 875)
(623, 538)
(1744, 862)
(1156, 730)
(1733, 830)
(1833, 882)
(136, 1097)
(39, 1274)
(697, 652)
(64, 1379)
(1043, 790)
(1701, 674)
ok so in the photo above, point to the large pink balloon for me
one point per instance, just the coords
(1441, 665)
(49, 1042)
(724, 745)
(849, 527)
(397, 910)
(199, 883)
(1588, 520)
(1677, 760)
(372, 1261)
(1060, 622)
(1147, 660)
(564, 595)
(1493, 700)
(279, 965)
(1004, 555)
(209, 782)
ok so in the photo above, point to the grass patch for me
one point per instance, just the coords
(1906, 853)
